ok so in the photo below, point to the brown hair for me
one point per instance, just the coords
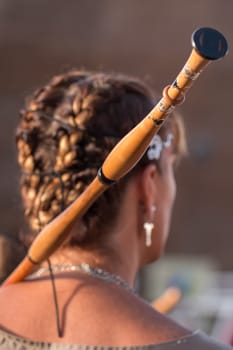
(66, 131)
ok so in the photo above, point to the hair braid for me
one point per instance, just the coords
(65, 132)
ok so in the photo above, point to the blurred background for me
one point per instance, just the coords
(151, 40)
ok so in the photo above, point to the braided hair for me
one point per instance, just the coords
(64, 134)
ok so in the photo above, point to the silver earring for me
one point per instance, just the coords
(148, 227)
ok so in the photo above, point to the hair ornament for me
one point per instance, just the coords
(156, 146)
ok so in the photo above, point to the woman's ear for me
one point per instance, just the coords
(148, 187)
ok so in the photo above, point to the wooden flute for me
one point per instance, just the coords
(208, 45)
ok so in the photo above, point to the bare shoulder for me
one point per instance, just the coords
(115, 316)
(143, 324)
(13, 299)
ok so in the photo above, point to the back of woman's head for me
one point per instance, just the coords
(66, 131)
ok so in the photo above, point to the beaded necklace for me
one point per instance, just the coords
(90, 270)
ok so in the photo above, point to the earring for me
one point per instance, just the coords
(148, 227)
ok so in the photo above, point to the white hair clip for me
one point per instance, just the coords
(156, 146)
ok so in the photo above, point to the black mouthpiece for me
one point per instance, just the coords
(209, 43)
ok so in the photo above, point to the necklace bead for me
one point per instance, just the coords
(90, 270)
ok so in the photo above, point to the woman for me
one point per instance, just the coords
(84, 294)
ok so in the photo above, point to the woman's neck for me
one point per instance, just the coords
(119, 250)
(98, 258)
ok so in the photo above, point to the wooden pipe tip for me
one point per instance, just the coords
(209, 43)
